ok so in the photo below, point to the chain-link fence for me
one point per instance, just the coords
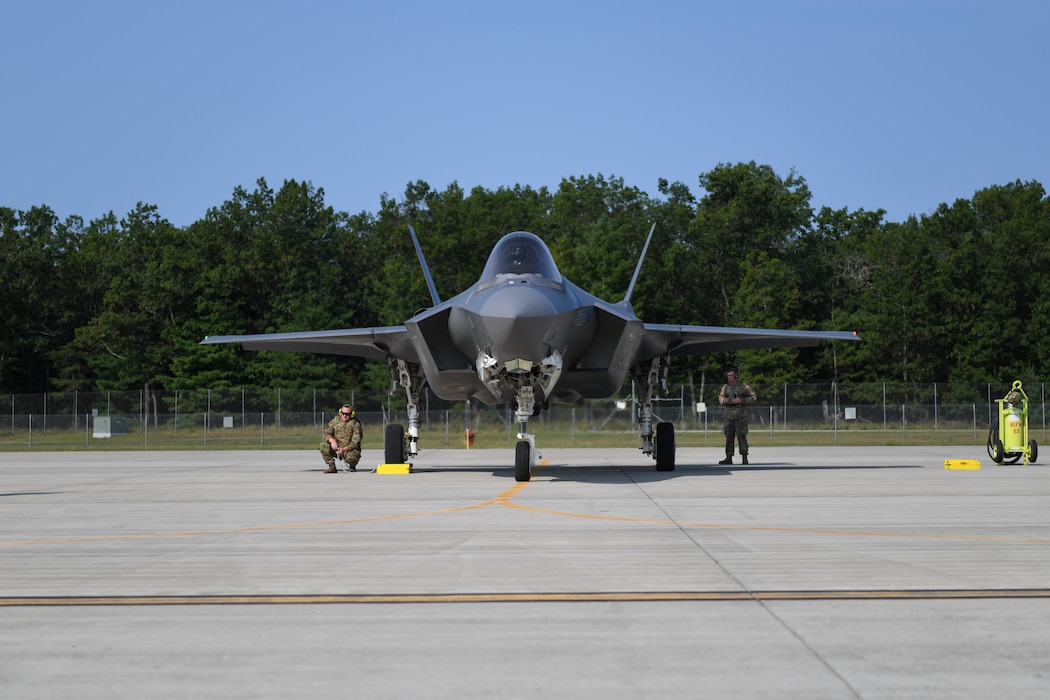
(875, 413)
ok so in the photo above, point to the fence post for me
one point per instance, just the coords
(785, 405)
(989, 403)
(681, 407)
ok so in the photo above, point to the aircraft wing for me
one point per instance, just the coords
(659, 339)
(376, 343)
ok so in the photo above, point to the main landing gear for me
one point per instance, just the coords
(661, 446)
(400, 446)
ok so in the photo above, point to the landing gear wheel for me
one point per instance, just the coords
(665, 447)
(523, 461)
(394, 444)
(1033, 451)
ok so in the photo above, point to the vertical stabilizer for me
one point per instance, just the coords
(426, 270)
(638, 268)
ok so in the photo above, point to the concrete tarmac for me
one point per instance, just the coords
(811, 573)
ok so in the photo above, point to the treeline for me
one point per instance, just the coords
(960, 295)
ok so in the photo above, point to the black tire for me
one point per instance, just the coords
(523, 461)
(394, 444)
(665, 447)
(993, 437)
(1033, 451)
(997, 453)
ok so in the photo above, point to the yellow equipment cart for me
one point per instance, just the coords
(1008, 439)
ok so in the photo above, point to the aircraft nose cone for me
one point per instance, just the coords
(517, 319)
(517, 301)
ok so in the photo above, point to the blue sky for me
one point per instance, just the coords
(891, 104)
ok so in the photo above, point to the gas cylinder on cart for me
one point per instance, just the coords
(1013, 433)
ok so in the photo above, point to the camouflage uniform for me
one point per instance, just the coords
(736, 416)
(347, 434)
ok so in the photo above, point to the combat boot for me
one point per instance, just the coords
(743, 459)
(727, 460)
(331, 468)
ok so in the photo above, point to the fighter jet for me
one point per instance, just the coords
(525, 336)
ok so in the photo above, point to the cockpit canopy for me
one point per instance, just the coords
(521, 253)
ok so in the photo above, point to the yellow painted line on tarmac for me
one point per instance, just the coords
(506, 499)
(501, 499)
(553, 597)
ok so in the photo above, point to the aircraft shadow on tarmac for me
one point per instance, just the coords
(612, 473)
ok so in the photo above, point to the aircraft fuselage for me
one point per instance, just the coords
(520, 315)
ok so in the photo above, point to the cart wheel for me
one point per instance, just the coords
(993, 434)
(1033, 451)
(995, 450)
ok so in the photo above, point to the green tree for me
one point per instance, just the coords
(599, 227)
(836, 273)
(993, 252)
(903, 336)
(958, 295)
(271, 262)
(142, 306)
(769, 296)
(747, 213)
(37, 299)
(748, 209)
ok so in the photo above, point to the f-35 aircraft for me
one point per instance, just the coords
(525, 336)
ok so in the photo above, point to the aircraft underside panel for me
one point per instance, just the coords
(460, 385)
